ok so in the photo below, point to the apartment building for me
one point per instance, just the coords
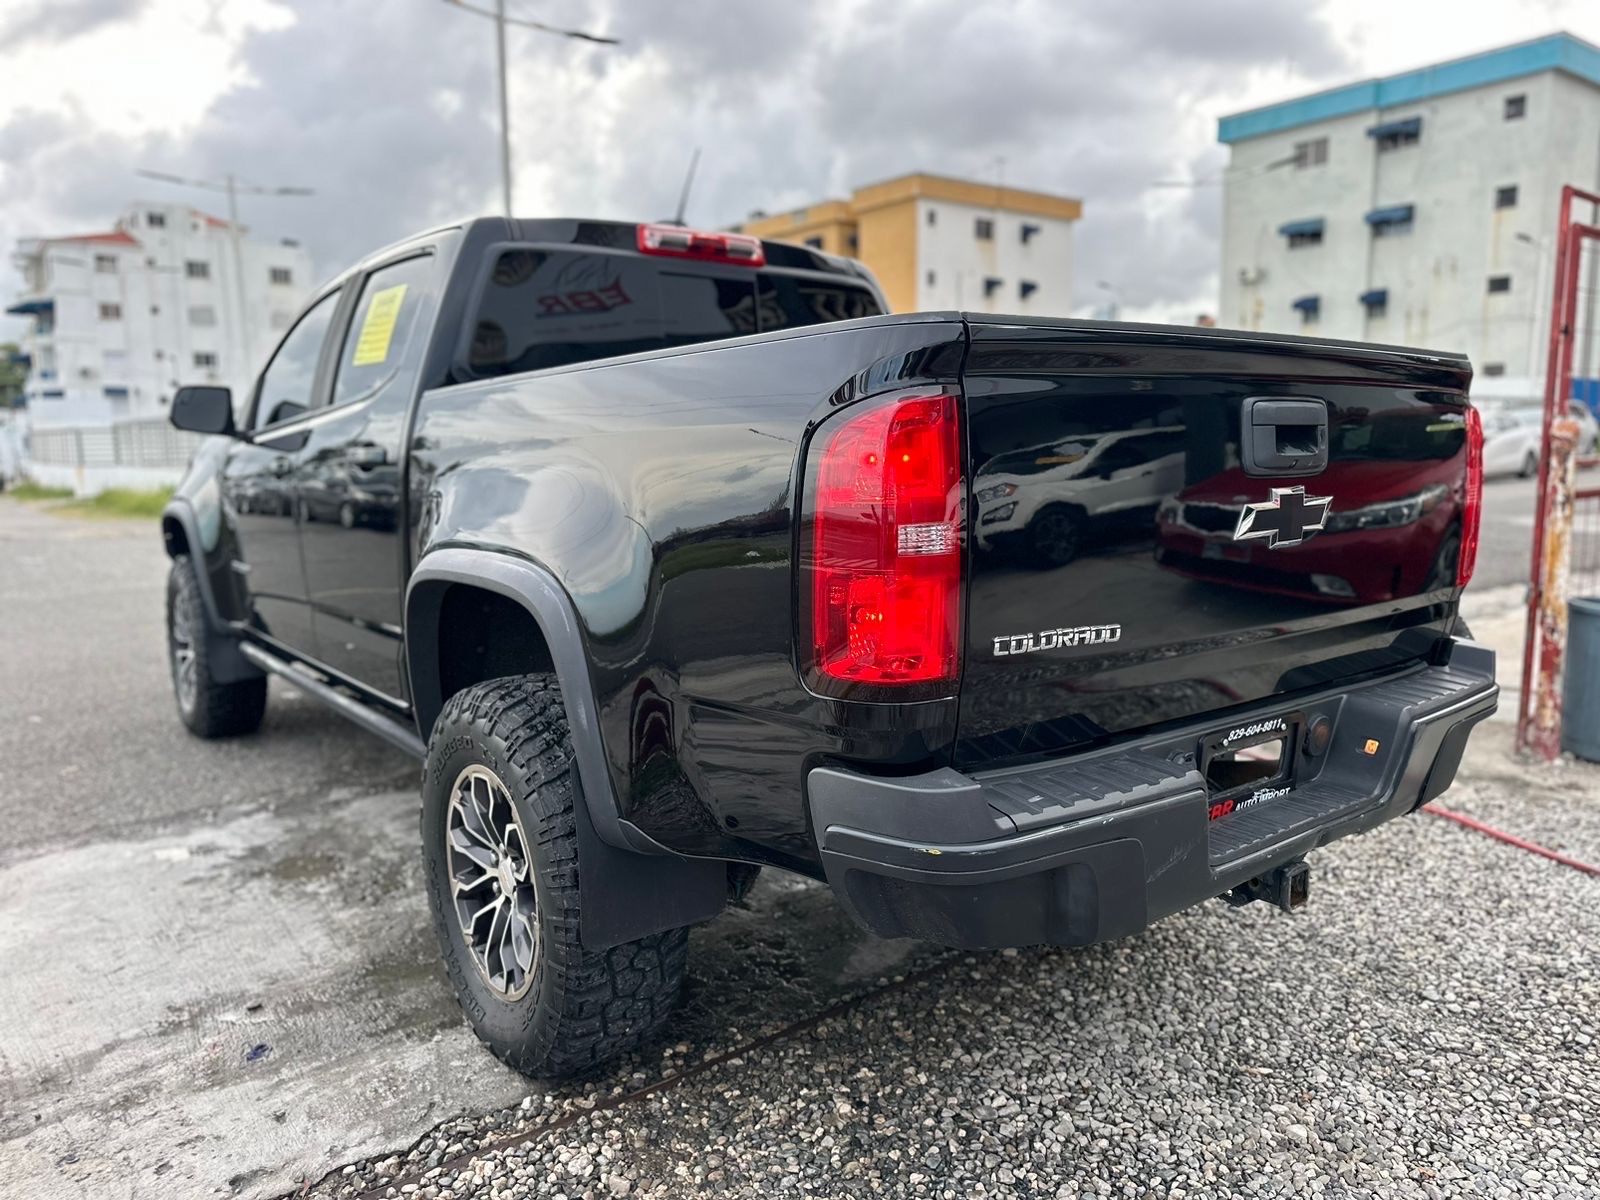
(1417, 209)
(940, 243)
(168, 296)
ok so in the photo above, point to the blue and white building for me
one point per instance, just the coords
(1418, 209)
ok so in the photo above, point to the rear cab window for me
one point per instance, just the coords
(547, 307)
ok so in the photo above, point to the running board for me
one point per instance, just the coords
(393, 732)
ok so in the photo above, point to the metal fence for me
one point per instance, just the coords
(147, 443)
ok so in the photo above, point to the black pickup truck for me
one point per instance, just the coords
(672, 556)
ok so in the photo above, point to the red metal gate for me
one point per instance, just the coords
(1566, 532)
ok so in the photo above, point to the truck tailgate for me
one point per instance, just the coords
(1140, 552)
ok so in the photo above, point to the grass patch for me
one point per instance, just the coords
(28, 490)
(122, 502)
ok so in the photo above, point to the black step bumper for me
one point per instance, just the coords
(1098, 846)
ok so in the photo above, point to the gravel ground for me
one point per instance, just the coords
(1427, 1027)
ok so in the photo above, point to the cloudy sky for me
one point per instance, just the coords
(387, 108)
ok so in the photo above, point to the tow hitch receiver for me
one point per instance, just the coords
(1288, 887)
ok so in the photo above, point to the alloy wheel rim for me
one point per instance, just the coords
(1057, 536)
(491, 881)
(185, 669)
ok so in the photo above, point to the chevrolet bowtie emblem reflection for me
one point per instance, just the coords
(1284, 520)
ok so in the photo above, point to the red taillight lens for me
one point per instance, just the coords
(1472, 504)
(676, 242)
(881, 549)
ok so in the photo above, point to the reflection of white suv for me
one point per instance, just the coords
(1044, 498)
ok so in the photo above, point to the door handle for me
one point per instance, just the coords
(281, 466)
(1280, 435)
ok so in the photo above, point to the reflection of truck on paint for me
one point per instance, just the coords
(677, 577)
(1041, 502)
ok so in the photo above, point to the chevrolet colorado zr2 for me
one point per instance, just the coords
(672, 556)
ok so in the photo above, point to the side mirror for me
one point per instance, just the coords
(203, 409)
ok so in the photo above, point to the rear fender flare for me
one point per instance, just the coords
(629, 886)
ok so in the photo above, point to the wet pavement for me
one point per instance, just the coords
(219, 980)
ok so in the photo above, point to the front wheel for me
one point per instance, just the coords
(210, 709)
(500, 850)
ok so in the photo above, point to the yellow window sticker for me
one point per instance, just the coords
(372, 344)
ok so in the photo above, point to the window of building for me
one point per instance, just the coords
(105, 264)
(1393, 135)
(205, 360)
(932, 278)
(115, 391)
(1516, 107)
(983, 229)
(111, 312)
(853, 242)
(933, 216)
(1312, 153)
(1310, 237)
(1499, 283)
(194, 268)
(155, 220)
(1029, 232)
(814, 242)
(1494, 369)
(1027, 288)
(1394, 221)
(280, 275)
(991, 285)
(202, 315)
(1309, 308)
(1505, 197)
(1376, 302)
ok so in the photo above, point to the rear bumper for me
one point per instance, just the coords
(1085, 849)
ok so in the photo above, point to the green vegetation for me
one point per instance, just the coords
(28, 490)
(122, 502)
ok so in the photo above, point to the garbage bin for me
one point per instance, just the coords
(1580, 690)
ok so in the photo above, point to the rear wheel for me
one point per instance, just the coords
(1530, 466)
(207, 707)
(500, 849)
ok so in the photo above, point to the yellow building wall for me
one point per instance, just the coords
(888, 245)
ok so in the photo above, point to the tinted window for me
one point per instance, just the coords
(788, 302)
(392, 300)
(547, 308)
(292, 373)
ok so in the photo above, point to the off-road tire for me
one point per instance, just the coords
(209, 709)
(583, 1007)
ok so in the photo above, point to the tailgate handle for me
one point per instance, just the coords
(1280, 436)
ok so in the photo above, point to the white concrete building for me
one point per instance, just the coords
(1418, 209)
(169, 296)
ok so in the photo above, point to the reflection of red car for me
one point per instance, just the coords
(1393, 530)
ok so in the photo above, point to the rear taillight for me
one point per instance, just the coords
(881, 546)
(1472, 504)
(676, 242)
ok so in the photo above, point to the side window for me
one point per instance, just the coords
(394, 300)
(547, 308)
(287, 383)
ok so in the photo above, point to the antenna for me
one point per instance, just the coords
(688, 182)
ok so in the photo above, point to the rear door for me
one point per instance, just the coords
(1109, 589)
(258, 481)
(350, 477)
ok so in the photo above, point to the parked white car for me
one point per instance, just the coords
(1513, 438)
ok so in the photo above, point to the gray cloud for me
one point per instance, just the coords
(389, 112)
(61, 20)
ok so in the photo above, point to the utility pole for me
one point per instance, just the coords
(231, 187)
(498, 16)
